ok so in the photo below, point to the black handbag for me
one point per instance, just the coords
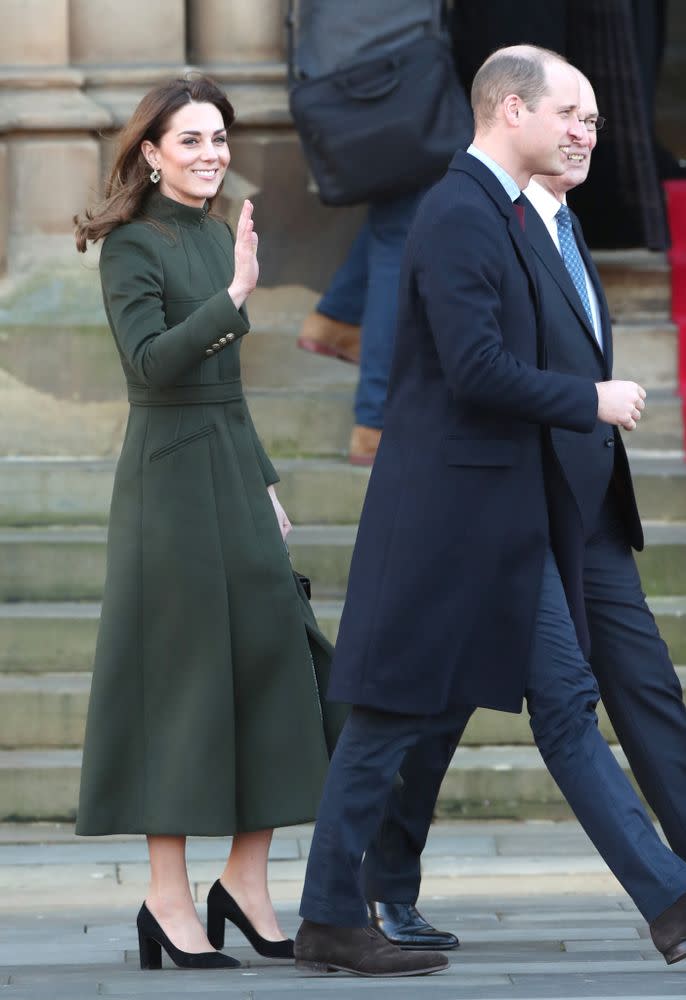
(383, 126)
(304, 582)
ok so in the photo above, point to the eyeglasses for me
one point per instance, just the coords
(593, 123)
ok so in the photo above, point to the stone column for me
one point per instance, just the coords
(127, 32)
(51, 179)
(34, 33)
(222, 32)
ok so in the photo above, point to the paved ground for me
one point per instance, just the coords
(538, 914)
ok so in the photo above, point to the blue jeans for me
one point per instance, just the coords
(364, 291)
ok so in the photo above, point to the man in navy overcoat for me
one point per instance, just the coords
(636, 679)
(455, 596)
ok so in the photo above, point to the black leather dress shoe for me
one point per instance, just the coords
(403, 925)
(668, 932)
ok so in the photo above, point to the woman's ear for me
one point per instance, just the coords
(149, 151)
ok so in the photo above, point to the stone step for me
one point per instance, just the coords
(39, 784)
(270, 358)
(494, 782)
(49, 710)
(48, 637)
(637, 283)
(34, 352)
(647, 352)
(323, 553)
(45, 490)
(660, 483)
(504, 782)
(43, 637)
(669, 612)
(318, 422)
(43, 710)
(34, 561)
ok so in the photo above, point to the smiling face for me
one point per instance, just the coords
(548, 132)
(192, 155)
(578, 153)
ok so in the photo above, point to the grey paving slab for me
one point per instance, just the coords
(453, 867)
(117, 852)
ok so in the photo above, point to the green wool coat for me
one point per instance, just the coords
(205, 714)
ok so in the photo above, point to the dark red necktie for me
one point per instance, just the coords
(519, 209)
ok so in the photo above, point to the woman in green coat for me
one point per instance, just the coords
(205, 714)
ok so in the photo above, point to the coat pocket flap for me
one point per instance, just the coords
(461, 452)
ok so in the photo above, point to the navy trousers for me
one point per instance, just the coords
(561, 695)
(641, 694)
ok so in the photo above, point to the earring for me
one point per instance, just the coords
(155, 175)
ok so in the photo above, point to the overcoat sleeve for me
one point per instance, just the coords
(133, 288)
(460, 287)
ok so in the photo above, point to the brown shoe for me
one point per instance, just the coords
(364, 442)
(361, 951)
(668, 931)
(324, 335)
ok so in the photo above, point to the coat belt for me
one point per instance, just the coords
(185, 395)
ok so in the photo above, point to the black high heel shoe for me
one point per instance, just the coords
(222, 906)
(152, 939)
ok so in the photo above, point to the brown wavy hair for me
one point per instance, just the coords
(129, 182)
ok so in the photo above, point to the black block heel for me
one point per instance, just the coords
(149, 950)
(152, 939)
(216, 925)
(222, 906)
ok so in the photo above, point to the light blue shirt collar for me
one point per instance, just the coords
(509, 183)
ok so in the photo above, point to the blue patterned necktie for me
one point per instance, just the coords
(572, 257)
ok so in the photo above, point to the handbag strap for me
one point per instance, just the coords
(436, 29)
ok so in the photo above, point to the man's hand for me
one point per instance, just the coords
(620, 403)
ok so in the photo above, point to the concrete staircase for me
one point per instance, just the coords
(53, 513)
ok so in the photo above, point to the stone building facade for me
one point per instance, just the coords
(71, 72)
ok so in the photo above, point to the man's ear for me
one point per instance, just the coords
(511, 108)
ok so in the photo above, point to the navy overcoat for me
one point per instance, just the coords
(447, 567)
(589, 461)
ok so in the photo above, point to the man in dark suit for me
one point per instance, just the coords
(637, 681)
(455, 598)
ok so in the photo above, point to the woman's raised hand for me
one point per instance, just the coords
(246, 267)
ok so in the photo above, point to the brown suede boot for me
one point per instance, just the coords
(324, 335)
(668, 931)
(364, 442)
(361, 951)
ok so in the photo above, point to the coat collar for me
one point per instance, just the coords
(158, 206)
(465, 163)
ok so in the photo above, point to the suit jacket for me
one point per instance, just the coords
(446, 572)
(589, 461)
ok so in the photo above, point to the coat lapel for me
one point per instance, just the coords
(489, 182)
(550, 257)
(605, 321)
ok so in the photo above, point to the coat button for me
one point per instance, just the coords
(609, 442)
(223, 341)
(231, 337)
(216, 347)
(209, 352)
